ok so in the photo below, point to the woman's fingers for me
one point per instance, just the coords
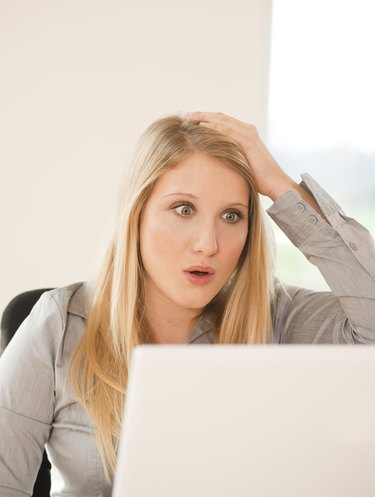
(215, 119)
(239, 131)
(268, 175)
(206, 116)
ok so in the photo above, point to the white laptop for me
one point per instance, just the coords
(249, 421)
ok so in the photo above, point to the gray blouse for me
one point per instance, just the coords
(38, 408)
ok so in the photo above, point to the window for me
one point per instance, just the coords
(322, 108)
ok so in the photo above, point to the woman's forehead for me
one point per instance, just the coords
(200, 173)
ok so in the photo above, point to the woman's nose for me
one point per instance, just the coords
(206, 240)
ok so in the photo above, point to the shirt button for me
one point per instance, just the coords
(300, 207)
(353, 246)
(312, 220)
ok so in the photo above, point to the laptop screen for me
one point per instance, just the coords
(264, 421)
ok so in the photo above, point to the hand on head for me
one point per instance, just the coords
(270, 179)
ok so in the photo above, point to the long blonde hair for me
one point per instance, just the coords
(116, 323)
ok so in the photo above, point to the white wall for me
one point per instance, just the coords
(80, 80)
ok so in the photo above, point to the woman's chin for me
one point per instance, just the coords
(195, 304)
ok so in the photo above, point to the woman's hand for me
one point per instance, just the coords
(270, 179)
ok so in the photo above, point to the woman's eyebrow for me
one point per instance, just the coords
(194, 196)
(239, 203)
(180, 193)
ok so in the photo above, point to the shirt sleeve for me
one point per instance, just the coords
(27, 397)
(344, 252)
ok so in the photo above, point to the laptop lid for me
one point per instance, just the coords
(264, 421)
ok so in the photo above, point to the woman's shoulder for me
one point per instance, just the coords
(68, 308)
(302, 315)
(55, 323)
(74, 299)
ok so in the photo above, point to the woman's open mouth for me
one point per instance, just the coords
(199, 276)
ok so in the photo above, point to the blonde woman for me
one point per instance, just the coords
(190, 262)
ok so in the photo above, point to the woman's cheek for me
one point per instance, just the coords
(178, 231)
(169, 235)
(234, 246)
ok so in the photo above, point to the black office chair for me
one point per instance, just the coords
(15, 312)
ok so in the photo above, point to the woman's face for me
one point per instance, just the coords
(192, 231)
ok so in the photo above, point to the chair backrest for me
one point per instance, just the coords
(14, 313)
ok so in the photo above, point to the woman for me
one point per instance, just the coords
(190, 262)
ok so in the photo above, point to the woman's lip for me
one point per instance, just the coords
(202, 269)
(199, 279)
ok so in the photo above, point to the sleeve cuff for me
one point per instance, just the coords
(296, 218)
(299, 221)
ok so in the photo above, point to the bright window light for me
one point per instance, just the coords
(322, 108)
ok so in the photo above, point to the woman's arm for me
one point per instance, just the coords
(344, 253)
(27, 398)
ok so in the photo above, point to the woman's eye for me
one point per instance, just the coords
(183, 210)
(232, 217)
